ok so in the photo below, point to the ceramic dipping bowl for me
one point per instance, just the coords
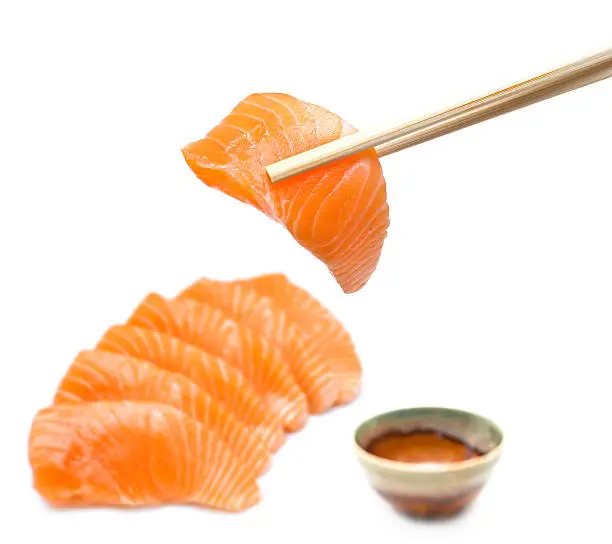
(430, 490)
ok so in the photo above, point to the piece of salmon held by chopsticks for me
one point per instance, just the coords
(104, 376)
(338, 211)
(311, 370)
(324, 332)
(211, 374)
(134, 454)
(214, 331)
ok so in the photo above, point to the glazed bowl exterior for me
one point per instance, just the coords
(436, 489)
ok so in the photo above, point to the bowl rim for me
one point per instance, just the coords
(485, 459)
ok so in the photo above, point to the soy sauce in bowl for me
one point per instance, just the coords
(428, 462)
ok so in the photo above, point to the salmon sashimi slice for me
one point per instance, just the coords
(98, 376)
(338, 212)
(211, 374)
(264, 316)
(324, 332)
(212, 330)
(134, 454)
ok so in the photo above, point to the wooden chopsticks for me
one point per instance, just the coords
(407, 134)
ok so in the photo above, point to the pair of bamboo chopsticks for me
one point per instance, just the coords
(407, 134)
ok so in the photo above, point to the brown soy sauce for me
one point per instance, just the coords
(422, 446)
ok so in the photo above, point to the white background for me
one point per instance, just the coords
(494, 291)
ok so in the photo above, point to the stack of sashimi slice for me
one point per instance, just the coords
(186, 402)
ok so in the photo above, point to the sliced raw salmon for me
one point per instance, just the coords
(212, 375)
(338, 212)
(312, 372)
(100, 375)
(212, 330)
(324, 332)
(134, 454)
